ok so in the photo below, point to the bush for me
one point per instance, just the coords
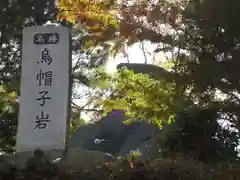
(124, 169)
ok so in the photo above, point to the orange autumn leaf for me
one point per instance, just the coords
(131, 164)
(77, 10)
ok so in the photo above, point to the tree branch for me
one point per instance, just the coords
(75, 106)
(144, 52)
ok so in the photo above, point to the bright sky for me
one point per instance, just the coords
(135, 55)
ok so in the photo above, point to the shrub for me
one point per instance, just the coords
(125, 169)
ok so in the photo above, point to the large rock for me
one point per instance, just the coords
(142, 134)
(106, 135)
(110, 135)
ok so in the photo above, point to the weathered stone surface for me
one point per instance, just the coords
(110, 130)
(141, 134)
(118, 139)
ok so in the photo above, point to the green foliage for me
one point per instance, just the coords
(198, 135)
(100, 79)
(207, 30)
(158, 169)
(8, 119)
(191, 131)
(211, 36)
(141, 97)
(134, 155)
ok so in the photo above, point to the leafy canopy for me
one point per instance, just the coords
(96, 14)
(122, 21)
(207, 30)
(198, 135)
(141, 97)
(8, 119)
